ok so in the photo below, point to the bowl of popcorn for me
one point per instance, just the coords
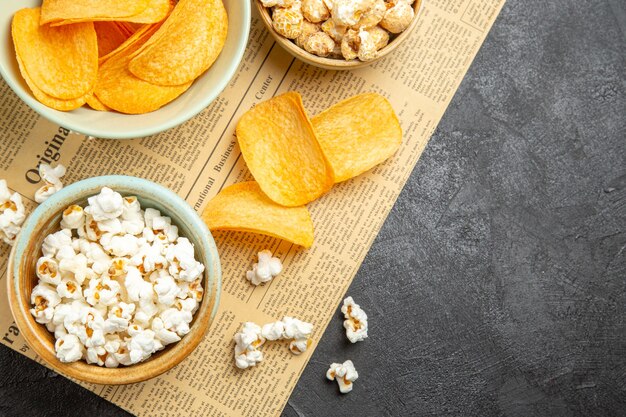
(113, 280)
(340, 34)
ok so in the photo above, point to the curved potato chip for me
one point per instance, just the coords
(156, 11)
(95, 103)
(110, 36)
(358, 133)
(279, 146)
(59, 10)
(131, 40)
(45, 99)
(120, 90)
(187, 44)
(244, 207)
(62, 62)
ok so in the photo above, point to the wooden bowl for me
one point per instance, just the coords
(46, 218)
(335, 63)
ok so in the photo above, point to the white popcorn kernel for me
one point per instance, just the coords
(66, 252)
(47, 270)
(97, 355)
(145, 312)
(299, 346)
(344, 373)
(142, 344)
(315, 10)
(149, 216)
(93, 328)
(247, 342)
(44, 192)
(98, 258)
(300, 331)
(5, 193)
(398, 17)
(44, 299)
(349, 12)
(55, 241)
(105, 206)
(52, 175)
(183, 264)
(12, 213)
(188, 304)
(380, 36)
(118, 267)
(73, 217)
(287, 21)
(102, 291)
(308, 29)
(92, 230)
(161, 222)
(176, 320)
(68, 348)
(70, 289)
(52, 179)
(112, 226)
(77, 267)
(136, 287)
(350, 45)
(356, 321)
(112, 346)
(120, 246)
(132, 216)
(164, 335)
(119, 317)
(273, 331)
(171, 233)
(267, 268)
(166, 289)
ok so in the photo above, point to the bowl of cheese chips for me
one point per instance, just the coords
(121, 69)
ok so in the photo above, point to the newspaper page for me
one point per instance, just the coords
(201, 157)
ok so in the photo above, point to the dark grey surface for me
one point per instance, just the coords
(497, 287)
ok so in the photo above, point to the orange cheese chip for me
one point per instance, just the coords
(62, 62)
(120, 90)
(52, 102)
(110, 36)
(244, 207)
(358, 133)
(156, 11)
(279, 145)
(60, 10)
(95, 103)
(185, 46)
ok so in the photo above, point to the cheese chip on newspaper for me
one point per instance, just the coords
(62, 62)
(243, 207)
(358, 133)
(60, 10)
(185, 46)
(279, 146)
(120, 90)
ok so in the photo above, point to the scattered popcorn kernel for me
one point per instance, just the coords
(247, 342)
(398, 17)
(267, 268)
(319, 44)
(315, 10)
(356, 321)
(344, 373)
(12, 214)
(52, 180)
(287, 22)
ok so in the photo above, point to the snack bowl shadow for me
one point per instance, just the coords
(22, 278)
(337, 63)
(113, 125)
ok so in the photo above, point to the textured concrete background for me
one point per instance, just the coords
(497, 285)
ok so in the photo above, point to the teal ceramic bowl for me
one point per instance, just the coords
(45, 220)
(111, 125)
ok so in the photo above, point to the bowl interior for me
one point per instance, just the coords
(120, 126)
(23, 279)
(336, 63)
